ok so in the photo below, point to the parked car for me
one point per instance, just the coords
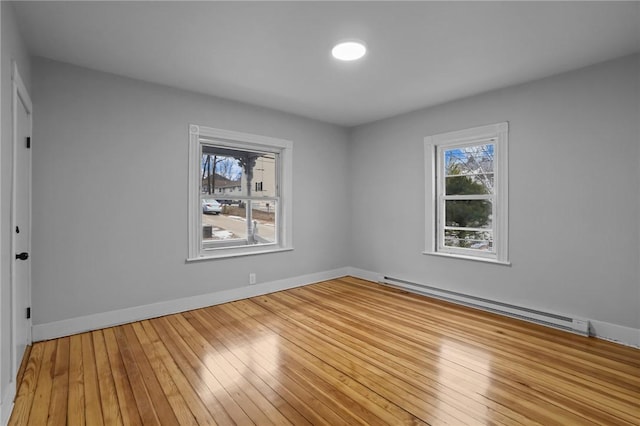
(211, 206)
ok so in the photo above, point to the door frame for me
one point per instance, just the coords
(20, 94)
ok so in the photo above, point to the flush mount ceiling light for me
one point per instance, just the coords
(349, 50)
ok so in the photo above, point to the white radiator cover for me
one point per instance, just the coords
(559, 321)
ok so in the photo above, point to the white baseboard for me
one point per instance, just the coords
(365, 275)
(6, 405)
(626, 336)
(71, 326)
(616, 333)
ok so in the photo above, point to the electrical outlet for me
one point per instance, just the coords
(252, 278)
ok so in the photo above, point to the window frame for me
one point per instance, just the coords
(434, 147)
(202, 135)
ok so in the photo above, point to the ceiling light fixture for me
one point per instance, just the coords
(349, 50)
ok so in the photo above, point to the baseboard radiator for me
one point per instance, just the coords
(562, 322)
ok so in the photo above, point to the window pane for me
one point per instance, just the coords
(468, 213)
(473, 168)
(227, 225)
(221, 175)
(470, 159)
(469, 239)
(263, 216)
(230, 172)
(470, 184)
(263, 175)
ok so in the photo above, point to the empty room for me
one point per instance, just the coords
(320, 213)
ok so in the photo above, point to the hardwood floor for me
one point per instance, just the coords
(340, 352)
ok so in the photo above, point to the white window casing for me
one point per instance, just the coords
(201, 136)
(436, 147)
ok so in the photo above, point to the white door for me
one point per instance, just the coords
(21, 223)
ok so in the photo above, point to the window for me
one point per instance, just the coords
(257, 171)
(467, 213)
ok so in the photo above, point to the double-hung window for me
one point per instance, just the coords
(468, 208)
(239, 193)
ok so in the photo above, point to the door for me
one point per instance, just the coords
(21, 223)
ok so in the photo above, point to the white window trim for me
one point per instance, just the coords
(499, 132)
(247, 141)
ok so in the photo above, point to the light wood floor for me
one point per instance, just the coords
(340, 352)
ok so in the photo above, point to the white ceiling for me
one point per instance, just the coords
(277, 54)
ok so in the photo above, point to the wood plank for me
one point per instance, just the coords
(259, 378)
(42, 397)
(93, 406)
(141, 395)
(196, 371)
(108, 395)
(23, 365)
(190, 395)
(163, 379)
(263, 359)
(296, 389)
(75, 405)
(162, 403)
(27, 389)
(126, 400)
(253, 403)
(60, 385)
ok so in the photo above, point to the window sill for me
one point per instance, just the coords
(239, 254)
(460, 256)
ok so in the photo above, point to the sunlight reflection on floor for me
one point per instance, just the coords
(458, 367)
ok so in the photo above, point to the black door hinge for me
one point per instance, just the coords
(28, 312)
(28, 142)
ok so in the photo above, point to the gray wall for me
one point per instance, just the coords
(13, 49)
(573, 194)
(110, 164)
(110, 193)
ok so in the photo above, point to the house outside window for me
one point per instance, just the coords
(467, 208)
(228, 214)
